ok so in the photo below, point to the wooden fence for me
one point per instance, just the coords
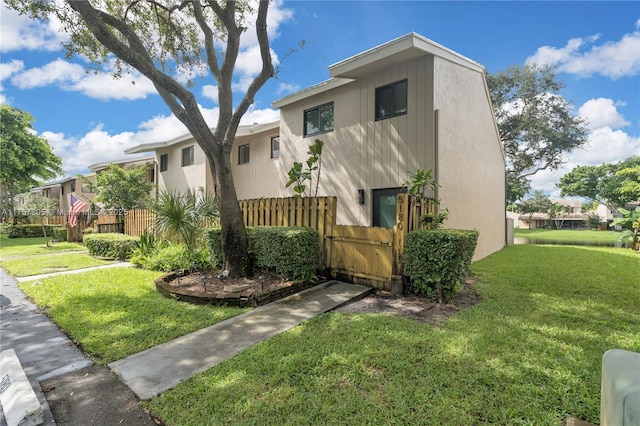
(359, 254)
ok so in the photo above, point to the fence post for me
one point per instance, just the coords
(400, 230)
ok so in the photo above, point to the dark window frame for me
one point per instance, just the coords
(317, 111)
(396, 110)
(164, 162)
(242, 154)
(190, 150)
(273, 151)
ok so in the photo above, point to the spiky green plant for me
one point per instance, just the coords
(182, 217)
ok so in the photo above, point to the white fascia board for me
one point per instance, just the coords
(311, 91)
(154, 146)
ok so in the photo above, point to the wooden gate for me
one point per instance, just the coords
(361, 254)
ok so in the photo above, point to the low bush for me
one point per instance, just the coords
(290, 252)
(58, 233)
(117, 246)
(170, 257)
(35, 230)
(436, 262)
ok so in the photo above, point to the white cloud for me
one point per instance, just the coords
(612, 59)
(210, 92)
(601, 112)
(287, 88)
(604, 144)
(20, 32)
(98, 145)
(73, 77)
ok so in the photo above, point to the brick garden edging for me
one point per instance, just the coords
(243, 299)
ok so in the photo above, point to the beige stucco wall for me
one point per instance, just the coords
(260, 177)
(362, 153)
(471, 168)
(178, 178)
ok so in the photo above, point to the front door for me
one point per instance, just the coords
(384, 206)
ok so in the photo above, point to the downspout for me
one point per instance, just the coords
(436, 162)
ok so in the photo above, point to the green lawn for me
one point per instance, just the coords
(44, 264)
(19, 247)
(528, 354)
(573, 235)
(117, 312)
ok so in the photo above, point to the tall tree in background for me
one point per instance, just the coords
(535, 123)
(536, 203)
(613, 185)
(25, 157)
(158, 37)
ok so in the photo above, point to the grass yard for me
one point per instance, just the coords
(19, 247)
(44, 264)
(571, 235)
(117, 312)
(528, 354)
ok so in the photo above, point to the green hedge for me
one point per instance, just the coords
(117, 246)
(437, 262)
(290, 252)
(34, 230)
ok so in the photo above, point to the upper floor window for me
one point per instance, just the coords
(318, 119)
(275, 147)
(86, 187)
(391, 100)
(243, 154)
(187, 156)
(73, 187)
(164, 162)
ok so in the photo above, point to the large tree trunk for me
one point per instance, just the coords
(234, 237)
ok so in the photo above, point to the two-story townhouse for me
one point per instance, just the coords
(405, 105)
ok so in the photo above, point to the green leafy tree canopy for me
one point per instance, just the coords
(535, 122)
(613, 185)
(123, 189)
(27, 159)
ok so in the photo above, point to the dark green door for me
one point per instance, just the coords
(384, 206)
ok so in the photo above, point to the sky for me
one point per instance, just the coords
(92, 118)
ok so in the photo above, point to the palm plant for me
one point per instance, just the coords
(182, 217)
(631, 221)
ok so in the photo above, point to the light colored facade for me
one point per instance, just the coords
(446, 125)
(440, 118)
(182, 165)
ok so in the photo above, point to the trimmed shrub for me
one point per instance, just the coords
(35, 230)
(171, 257)
(117, 246)
(290, 252)
(59, 233)
(436, 262)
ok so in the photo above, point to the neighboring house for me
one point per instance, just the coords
(405, 105)
(61, 190)
(182, 164)
(575, 219)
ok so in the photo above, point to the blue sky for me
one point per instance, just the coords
(91, 118)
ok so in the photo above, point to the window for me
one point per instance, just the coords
(275, 147)
(187, 156)
(318, 119)
(86, 187)
(164, 162)
(152, 174)
(391, 100)
(73, 187)
(384, 206)
(243, 154)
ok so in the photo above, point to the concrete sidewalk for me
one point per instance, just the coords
(75, 271)
(43, 350)
(160, 368)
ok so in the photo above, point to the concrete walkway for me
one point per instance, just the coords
(43, 350)
(75, 271)
(160, 368)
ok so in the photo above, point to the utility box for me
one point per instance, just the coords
(620, 388)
